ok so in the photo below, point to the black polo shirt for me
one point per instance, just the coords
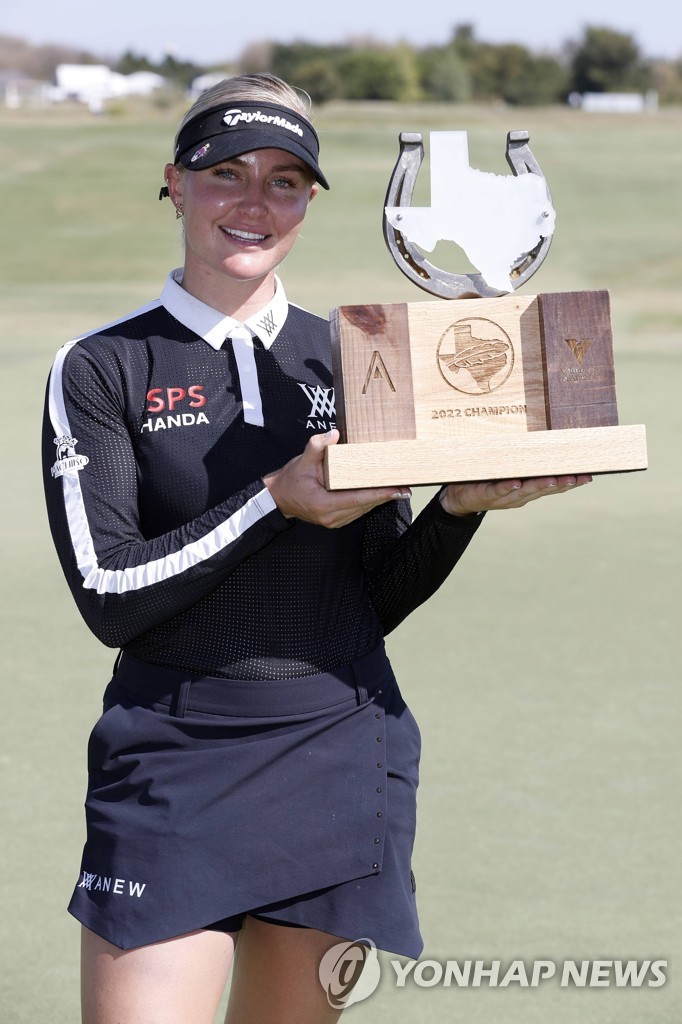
(155, 444)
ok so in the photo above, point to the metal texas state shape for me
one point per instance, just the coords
(412, 262)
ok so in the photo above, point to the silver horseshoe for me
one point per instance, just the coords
(412, 262)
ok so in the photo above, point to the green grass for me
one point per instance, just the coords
(544, 675)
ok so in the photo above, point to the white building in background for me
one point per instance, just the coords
(143, 83)
(614, 102)
(200, 84)
(94, 83)
(18, 90)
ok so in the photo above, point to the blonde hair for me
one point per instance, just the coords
(261, 87)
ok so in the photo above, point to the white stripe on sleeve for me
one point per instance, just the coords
(120, 581)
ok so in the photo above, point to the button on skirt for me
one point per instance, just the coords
(209, 798)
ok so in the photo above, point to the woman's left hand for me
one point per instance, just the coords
(488, 496)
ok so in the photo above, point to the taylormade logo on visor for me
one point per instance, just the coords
(233, 117)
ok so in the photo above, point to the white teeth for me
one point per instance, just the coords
(246, 235)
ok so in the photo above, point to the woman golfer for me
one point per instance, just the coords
(252, 778)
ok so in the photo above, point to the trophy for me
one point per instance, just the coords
(490, 384)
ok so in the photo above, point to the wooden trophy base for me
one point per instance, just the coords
(477, 389)
(497, 457)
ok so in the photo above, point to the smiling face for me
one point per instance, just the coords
(242, 217)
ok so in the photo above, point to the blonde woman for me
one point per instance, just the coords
(252, 778)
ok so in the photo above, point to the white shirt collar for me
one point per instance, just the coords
(212, 325)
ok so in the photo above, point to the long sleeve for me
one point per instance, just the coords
(124, 582)
(406, 562)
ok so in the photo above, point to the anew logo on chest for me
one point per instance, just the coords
(175, 407)
(322, 415)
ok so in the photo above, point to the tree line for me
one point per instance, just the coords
(461, 70)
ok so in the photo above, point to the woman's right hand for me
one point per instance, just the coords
(299, 492)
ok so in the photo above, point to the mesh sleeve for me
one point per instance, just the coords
(406, 562)
(125, 584)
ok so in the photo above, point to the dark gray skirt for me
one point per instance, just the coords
(292, 799)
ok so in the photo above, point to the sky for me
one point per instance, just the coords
(214, 31)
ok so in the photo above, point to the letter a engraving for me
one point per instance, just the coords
(377, 371)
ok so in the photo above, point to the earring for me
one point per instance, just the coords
(179, 212)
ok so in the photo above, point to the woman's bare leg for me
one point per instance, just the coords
(275, 977)
(177, 981)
